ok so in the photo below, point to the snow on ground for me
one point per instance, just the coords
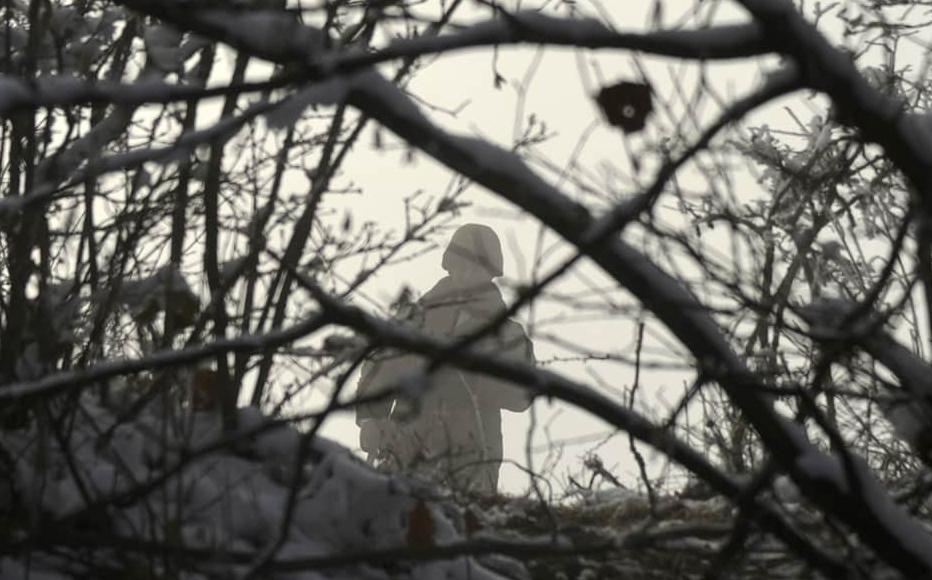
(215, 504)
(225, 507)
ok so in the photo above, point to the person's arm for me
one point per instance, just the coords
(369, 416)
(371, 381)
(371, 434)
(513, 344)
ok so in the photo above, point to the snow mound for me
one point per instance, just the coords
(167, 493)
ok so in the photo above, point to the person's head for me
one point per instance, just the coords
(474, 252)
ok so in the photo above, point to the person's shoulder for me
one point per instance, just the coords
(511, 327)
(438, 292)
(514, 339)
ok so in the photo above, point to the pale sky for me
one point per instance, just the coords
(561, 97)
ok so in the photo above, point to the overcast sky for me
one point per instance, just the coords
(560, 94)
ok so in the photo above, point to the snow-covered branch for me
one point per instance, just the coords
(82, 168)
(717, 42)
(49, 92)
(275, 36)
(905, 137)
(63, 381)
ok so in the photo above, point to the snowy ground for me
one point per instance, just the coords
(108, 505)
(167, 495)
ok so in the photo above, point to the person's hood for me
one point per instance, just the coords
(474, 252)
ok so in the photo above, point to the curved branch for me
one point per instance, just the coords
(297, 43)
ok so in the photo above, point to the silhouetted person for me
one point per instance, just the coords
(456, 429)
